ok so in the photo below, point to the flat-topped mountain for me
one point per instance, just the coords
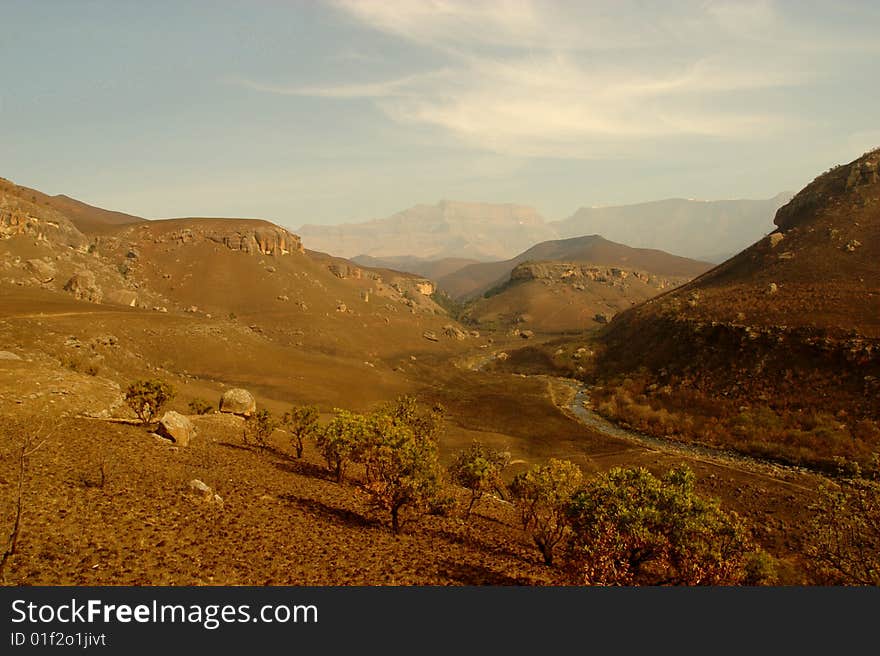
(479, 231)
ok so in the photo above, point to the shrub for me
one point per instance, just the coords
(844, 544)
(302, 423)
(399, 453)
(260, 427)
(147, 398)
(200, 407)
(478, 469)
(543, 494)
(402, 467)
(341, 440)
(632, 528)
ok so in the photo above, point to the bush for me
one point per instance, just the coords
(341, 440)
(147, 398)
(259, 427)
(478, 469)
(200, 407)
(543, 495)
(302, 423)
(402, 467)
(632, 528)
(844, 546)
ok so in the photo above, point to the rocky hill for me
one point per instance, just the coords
(476, 279)
(791, 324)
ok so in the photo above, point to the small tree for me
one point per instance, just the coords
(302, 423)
(147, 397)
(260, 427)
(844, 543)
(478, 469)
(341, 440)
(402, 469)
(632, 528)
(543, 494)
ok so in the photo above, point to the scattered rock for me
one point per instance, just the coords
(342, 307)
(283, 297)
(603, 317)
(526, 334)
(177, 427)
(238, 401)
(502, 356)
(204, 492)
(772, 288)
(775, 238)
(852, 245)
(430, 336)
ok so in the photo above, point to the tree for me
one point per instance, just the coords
(543, 494)
(260, 427)
(478, 469)
(844, 545)
(147, 397)
(302, 423)
(341, 440)
(632, 528)
(401, 466)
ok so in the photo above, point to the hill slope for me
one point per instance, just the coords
(791, 324)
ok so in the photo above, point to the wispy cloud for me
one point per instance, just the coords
(528, 79)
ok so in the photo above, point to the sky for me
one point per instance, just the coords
(344, 111)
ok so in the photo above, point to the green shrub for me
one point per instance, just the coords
(478, 469)
(147, 398)
(844, 540)
(543, 495)
(632, 528)
(302, 424)
(259, 427)
(341, 440)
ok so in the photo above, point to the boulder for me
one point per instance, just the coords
(430, 336)
(238, 401)
(177, 427)
(203, 492)
(42, 270)
(7, 355)
(123, 297)
(454, 332)
(84, 287)
(603, 317)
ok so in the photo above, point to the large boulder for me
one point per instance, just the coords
(84, 287)
(177, 427)
(123, 297)
(238, 401)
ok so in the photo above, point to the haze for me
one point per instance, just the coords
(342, 111)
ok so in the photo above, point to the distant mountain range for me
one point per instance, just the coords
(706, 230)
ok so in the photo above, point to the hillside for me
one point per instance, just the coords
(790, 328)
(693, 228)
(476, 279)
(449, 229)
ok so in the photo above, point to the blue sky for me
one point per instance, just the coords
(309, 112)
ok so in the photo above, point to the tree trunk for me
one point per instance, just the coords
(395, 519)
